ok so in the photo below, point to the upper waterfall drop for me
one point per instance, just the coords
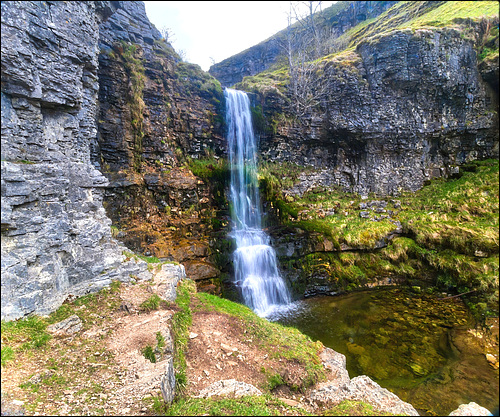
(256, 268)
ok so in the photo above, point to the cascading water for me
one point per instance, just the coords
(256, 269)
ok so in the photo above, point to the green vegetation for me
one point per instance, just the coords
(354, 408)
(129, 54)
(212, 169)
(215, 172)
(477, 20)
(449, 230)
(265, 405)
(149, 354)
(152, 303)
(153, 354)
(29, 334)
(266, 82)
(417, 14)
(23, 335)
(181, 321)
(196, 81)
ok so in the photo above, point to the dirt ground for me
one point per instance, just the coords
(101, 370)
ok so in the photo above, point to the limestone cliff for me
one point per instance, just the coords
(332, 22)
(56, 237)
(157, 117)
(399, 106)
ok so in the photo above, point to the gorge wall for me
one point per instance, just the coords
(157, 117)
(400, 108)
(100, 123)
(111, 144)
(332, 22)
(56, 237)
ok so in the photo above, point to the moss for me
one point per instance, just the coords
(450, 232)
(195, 81)
(354, 408)
(135, 70)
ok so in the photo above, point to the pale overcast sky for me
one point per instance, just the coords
(207, 30)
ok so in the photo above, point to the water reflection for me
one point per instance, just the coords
(412, 344)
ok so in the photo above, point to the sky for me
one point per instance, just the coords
(211, 31)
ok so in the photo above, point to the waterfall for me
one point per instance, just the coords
(256, 269)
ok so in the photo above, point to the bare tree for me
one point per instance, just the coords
(167, 34)
(301, 46)
(182, 54)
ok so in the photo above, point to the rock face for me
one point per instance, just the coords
(56, 238)
(262, 56)
(155, 112)
(404, 107)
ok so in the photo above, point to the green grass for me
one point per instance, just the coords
(181, 321)
(451, 11)
(265, 405)
(450, 231)
(30, 333)
(411, 15)
(152, 303)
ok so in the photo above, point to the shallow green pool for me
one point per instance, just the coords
(409, 342)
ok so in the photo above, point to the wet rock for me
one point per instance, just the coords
(199, 270)
(471, 409)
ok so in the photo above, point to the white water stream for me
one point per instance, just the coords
(256, 269)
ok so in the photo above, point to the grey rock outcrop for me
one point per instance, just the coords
(69, 326)
(166, 280)
(228, 388)
(167, 384)
(471, 409)
(360, 388)
(56, 237)
(403, 108)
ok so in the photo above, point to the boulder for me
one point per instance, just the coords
(229, 388)
(471, 409)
